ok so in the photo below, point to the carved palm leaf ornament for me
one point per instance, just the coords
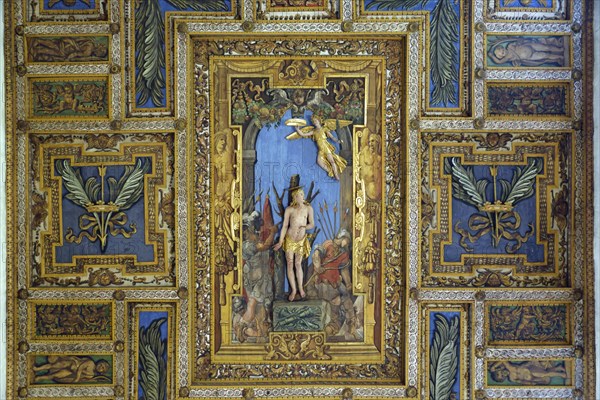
(103, 217)
(498, 216)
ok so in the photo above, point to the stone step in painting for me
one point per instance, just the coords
(303, 316)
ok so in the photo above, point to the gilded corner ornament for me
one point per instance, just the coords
(22, 125)
(119, 346)
(479, 73)
(180, 124)
(480, 352)
(347, 394)
(247, 26)
(413, 294)
(21, 70)
(119, 391)
(23, 294)
(23, 347)
(119, 295)
(414, 27)
(182, 293)
(114, 28)
(248, 394)
(116, 125)
(114, 69)
(412, 392)
(22, 392)
(182, 28)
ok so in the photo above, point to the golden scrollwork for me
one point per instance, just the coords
(299, 71)
(290, 346)
(360, 199)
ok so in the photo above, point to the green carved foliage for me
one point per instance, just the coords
(150, 45)
(442, 49)
(153, 362)
(443, 364)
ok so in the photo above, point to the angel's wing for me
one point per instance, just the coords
(333, 124)
(296, 135)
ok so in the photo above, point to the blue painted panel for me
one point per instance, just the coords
(444, 11)
(153, 337)
(526, 209)
(447, 327)
(147, 317)
(115, 244)
(526, 3)
(69, 5)
(279, 158)
(167, 6)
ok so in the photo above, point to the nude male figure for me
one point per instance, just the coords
(297, 219)
(529, 52)
(370, 159)
(71, 369)
(530, 373)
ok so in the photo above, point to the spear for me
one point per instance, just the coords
(246, 204)
(260, 190)
(103, 234)
(335, 210)
(322, 222)
(279, 199)
(329, 218)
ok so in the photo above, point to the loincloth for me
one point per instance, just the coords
(301, 247)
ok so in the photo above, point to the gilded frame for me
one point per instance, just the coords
(388, 363)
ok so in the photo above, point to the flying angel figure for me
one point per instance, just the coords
(327, 159)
